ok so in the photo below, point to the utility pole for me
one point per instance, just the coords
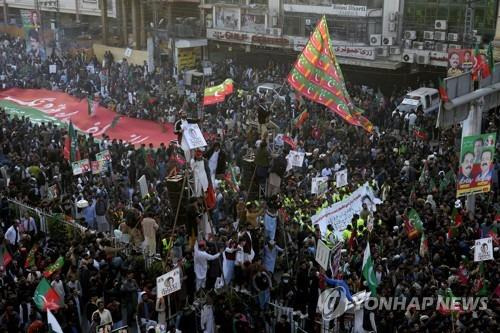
(104, 21)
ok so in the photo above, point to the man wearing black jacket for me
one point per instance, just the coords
(216, 160)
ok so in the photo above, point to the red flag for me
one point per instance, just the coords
(289, 141)
(443, 94)
(411, 231)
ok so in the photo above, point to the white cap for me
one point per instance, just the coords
(82, 203)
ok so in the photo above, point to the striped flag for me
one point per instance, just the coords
(5, 257)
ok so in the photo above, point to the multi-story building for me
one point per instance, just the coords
(400, 36)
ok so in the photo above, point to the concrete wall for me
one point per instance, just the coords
(137, 57)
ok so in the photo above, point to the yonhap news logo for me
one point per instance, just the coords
(333, 303)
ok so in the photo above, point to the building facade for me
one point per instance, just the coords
(406, 36)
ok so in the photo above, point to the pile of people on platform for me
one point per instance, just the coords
(243, 255)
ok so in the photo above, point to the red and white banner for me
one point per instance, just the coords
(49, 106)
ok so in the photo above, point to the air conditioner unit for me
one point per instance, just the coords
(382, 51)
(408, 57)
(452, 37)
(423, 59)
(410, 34)
(407, 43)
(418, 45)
(440, 35)
(429, 45)
(440, 24)
(388, 41)
(429, 35)
(478, 39)
(393, 16)
(392, 27)
(375, 40)
(394, 50)
(441, 47)
(454, 46)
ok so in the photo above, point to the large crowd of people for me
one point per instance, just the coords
(245, 246)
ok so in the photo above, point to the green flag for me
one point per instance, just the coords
(73, 143)
(54, 267)
(368, 270)
(424, 245)
(415, 220)
(46, 297)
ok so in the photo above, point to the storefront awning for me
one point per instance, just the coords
(184, 43)
(392, 65)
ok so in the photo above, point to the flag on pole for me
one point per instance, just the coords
(51, 269)
(46, 297)
(491, 60)
(217, 94)
(71, 152)
(317, 75)
(53, 323)
(301, 119)
(5, 257)
(416, 220)
(289, 141)
(424, 245)
(30, 259)
(368, 270)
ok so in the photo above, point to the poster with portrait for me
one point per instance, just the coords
(193, 137)
(296, 158)
(168, 283)
(31, 25)
(98, 167)
(483, 249)
(322, 254)
(143, 186)
(319, 185)
(103, 156)
(81, 166)
(476, 164)
(459, 61)
(227, 18)
(341, 178)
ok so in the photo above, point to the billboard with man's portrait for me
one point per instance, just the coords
(476, 164)
(31, 24)
(459, 61)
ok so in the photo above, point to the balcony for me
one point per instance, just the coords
(226, 2)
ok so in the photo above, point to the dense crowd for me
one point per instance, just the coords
(242, 254)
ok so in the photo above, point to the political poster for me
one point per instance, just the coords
(483, 249)
(143, 186)
(81, 166)
(319, 185)
(53, 192)
(459, 61)
(98, 167)
(103, 155)
(476, 164)
(168, 283)
(31, 24)
(52, 69)
(322, 254)
(341, 178)
(296, 159)
(193, 137)
(339, 214)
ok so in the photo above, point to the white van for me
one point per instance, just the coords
(275, 89)
(425, 99)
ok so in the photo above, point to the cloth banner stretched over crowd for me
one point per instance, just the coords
(339, 215)
(42, 105)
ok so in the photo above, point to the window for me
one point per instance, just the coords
(292, 26)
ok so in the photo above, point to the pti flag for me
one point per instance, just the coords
(30, 259)
(71, 152)
(317, 76)
(476, 164)
(51, 269)
(368, 270)
(46, 297)
(5, 257)
(217, 94)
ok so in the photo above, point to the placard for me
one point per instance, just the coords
(193, 137)
(296, 158)
(336, 254)
(483, 249)
(52, 192)
(341, 178)
(322, 254)
(143, 186)
(98, 167)
(81, 166)
(103, 156)
(52, 69)
(128, 52)
(319, 185)
(168, 283)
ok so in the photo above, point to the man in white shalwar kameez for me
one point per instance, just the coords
(207, 319)
(201, 181)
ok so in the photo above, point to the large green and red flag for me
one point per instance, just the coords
(317, 76)
(416, 220)
(481, 68)
(217, 94)
(46, 297)
(51, 269)
(5, 257)
(424, 245)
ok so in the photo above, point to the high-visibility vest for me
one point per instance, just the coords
(346, 234)
(360, 222)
